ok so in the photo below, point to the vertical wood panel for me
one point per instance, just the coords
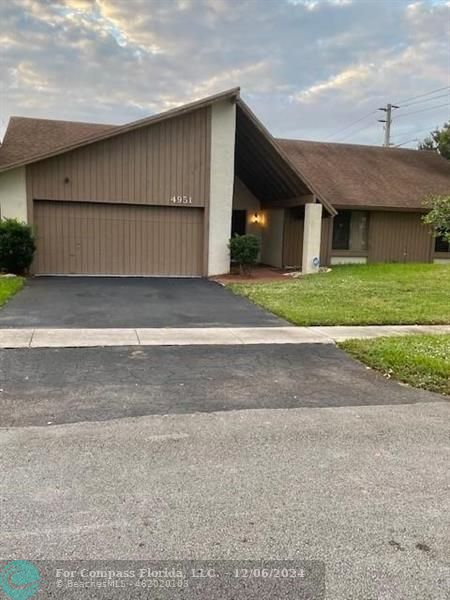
(292, 239)
(147, 166)
(325, 241)
(118, 239)
(398, 237)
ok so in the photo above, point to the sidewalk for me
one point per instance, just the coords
(76, 338)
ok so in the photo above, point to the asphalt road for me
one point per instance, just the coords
(121, 302)
(50, 385)
(362, 488)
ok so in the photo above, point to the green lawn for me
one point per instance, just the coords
(420, 360)
(382, 294)
(8, 287)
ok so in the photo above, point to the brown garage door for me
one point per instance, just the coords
(109, 239)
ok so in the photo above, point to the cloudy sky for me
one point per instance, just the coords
(308, 68)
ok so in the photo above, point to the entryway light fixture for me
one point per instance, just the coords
(256, 218)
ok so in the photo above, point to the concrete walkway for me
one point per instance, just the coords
(76, 338)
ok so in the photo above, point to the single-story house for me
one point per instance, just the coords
(162, 195)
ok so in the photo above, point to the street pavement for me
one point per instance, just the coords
(48, 386)
(362, 488)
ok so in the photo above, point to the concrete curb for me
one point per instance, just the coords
(78, 338)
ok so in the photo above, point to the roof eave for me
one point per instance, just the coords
(232, 94)
(272, 141)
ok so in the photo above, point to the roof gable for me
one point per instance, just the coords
(30, 140)
(264, 166)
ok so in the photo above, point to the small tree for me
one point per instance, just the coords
(438, 141)
(17, 246)
(244, 249)
(438, 216)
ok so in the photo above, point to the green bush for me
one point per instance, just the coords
(438, 216)
(16, 246)
(244, 249)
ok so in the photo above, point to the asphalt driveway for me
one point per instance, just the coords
(118, 302)
(50, 385)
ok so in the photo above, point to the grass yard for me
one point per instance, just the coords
(420, 360)
(8, 287)
(381, 294)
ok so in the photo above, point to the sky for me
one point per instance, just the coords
(308, 68)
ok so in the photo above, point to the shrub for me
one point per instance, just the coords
(244, 249)
(439, 216)
(16, 246)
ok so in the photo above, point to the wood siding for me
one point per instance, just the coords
(149, 165)
(325, 241)
(109, 239)
(398, 237)
(293, 239)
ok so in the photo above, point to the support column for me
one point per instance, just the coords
(311, 238)
(223, 130)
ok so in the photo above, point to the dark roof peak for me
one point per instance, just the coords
(29, 140)
(350, 145)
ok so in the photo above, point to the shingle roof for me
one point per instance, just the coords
(39, 139)
(371, 176)
(27, 137)
(349, 175)
(344, 175)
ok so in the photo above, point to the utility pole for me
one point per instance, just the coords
(387, 122)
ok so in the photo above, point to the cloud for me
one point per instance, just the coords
(341, 81)
(305, 66)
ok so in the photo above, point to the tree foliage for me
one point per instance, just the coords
(17, 246)
(438, 141)
(439, 216)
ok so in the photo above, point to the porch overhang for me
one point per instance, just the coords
(265, 168)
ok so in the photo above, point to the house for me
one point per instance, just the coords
(162, 195)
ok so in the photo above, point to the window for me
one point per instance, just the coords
(441, 245)
(350, 229)
(341, 230)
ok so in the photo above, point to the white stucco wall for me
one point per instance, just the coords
(13, 195)
(441, 261)
(348, 260)
(223, 127)
(312, 231)
(243, 199)
(272, 237)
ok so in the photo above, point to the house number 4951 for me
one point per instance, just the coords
(181, 200)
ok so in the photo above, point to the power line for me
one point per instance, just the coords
(447, 95)
(351, 124)
(405, 142)
(424, 94)
(411, 101)
(414, 139)
(356, 131)
(421, 131)
(415, 112)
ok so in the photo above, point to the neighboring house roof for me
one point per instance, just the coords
(350, 175)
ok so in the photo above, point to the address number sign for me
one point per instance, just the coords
(181, 200)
